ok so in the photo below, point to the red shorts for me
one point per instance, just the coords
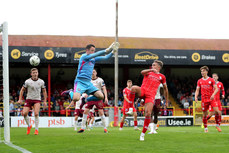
(147, 96)
(29, 102)
(78, 112)
(206, 105)
(98, 104)
(90, 115)
(219, 106)
(126, 109)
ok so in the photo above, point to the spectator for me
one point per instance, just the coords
(179, 95)
(111, 101)
(57, 110)
(12, 108)
(62, 111)
(119, 102)
(186, 104)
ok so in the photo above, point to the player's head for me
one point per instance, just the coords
(204, 71)
(34, 73)
(129, 83)
(90, 49)
(157, 64)
(94, 73)
(215, 76)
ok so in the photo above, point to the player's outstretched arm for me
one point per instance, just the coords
(146, 71)
(103, 58)
(99, 53)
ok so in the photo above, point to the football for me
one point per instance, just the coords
(34, 60)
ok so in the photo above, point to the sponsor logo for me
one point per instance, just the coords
(55, 122)
(78, 54)
(145, 55)
(49, 54)
(22, 122)
(179, 121)
(196, 57)
(59, 55)
(225, 57)
(15, 54)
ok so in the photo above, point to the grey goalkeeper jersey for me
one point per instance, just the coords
(34, 88)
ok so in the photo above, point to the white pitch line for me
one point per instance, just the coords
(17, 147)
(198, 132)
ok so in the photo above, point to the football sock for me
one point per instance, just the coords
(151, 127)
(146, 124)
(75, 125)
(27, 120)
(103, 121)
(205, 121)
(121, 124)
(36, 122)
(218, 119)
(135, 123)
(84, 119)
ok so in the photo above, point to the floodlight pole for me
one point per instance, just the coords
(5, 57)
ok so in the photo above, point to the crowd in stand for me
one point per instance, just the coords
(182, 90)
(59, 103)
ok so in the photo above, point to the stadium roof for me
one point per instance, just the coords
(126, 42)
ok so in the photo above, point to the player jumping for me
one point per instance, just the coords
(151, 81)
(82, 83)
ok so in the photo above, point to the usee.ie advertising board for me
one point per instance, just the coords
(163, 121)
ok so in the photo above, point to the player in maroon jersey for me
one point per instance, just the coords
(151, 81)
(127, 105)
(217, 99)
(208, 90)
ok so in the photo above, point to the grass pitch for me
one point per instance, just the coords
(168, 139)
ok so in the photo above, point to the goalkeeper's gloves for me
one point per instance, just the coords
(113, 46)
(114, 51)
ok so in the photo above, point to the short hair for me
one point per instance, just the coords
(33, 69)
(160, 63)
(89, 46)
(129, 81)
(215, 74)
(205, 68)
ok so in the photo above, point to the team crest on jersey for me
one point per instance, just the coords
(160, 78)
(78, 89)
(219, 85)
(209, 82)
